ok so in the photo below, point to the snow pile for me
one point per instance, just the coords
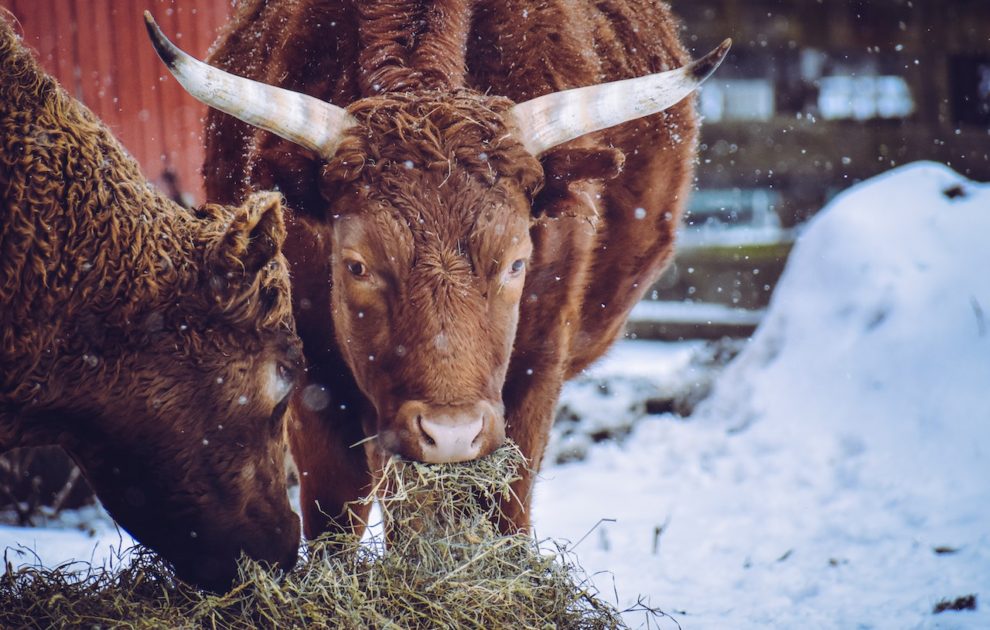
(839, 474)
(882, 316)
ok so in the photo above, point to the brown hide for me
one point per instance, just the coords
(600, 211)
(149, 341)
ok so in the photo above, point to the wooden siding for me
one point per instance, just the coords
(99, 51)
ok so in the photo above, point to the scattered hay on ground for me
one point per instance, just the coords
(445, 567)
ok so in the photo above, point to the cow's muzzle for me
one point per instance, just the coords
(442, 434)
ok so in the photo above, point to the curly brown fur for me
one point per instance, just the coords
(86, 237)
(412, 45)
(130, 327)
(435, 130)
(593, 252)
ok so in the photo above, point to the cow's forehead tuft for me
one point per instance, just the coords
(428, 200)
(402, 136)
(438, 125)
(409, 110)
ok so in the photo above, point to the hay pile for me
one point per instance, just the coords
(447, 568)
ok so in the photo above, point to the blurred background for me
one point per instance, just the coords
(815, 96)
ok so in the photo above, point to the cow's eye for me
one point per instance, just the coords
(356, 268)
(517, 267)
(286, 373)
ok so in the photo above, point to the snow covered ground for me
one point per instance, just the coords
(837, 477)
(87, 535)
(840, 452)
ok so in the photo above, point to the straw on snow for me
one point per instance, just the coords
(445, 566)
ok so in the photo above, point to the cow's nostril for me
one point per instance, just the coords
(430, 441)
(481, 432)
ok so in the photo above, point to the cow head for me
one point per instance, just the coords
(179, 425)
(429, 200)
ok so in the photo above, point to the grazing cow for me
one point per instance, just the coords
(465, 231)
(153, 343)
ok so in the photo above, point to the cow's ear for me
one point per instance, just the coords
(294, 171)
(254, 236)
(563, 167)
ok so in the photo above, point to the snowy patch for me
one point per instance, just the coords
(86, 535)
(636, 379)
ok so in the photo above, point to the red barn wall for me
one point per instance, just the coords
(99, 51)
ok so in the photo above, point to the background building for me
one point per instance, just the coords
(819, 94)
(815, 96)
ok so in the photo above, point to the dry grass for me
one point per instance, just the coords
(446, 568)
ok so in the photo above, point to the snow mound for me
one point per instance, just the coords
(880, 327)
(872, 367)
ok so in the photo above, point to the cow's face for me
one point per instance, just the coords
(184, 429)
(430, 245)
(426, 185)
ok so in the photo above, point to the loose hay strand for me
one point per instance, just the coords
(445, 566)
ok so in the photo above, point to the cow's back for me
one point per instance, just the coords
(308, 46)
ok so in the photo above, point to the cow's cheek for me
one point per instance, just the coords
(503, 314)
(367, 338)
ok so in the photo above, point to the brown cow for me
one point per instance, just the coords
(151, 342)
(464, 236)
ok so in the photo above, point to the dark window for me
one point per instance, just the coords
(970, 81)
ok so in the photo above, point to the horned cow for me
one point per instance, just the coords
(465, 231)
(153, 343)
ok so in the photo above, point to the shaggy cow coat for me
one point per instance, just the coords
(144, 338)
(428, 83)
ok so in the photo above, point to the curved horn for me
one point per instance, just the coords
(547, 121)
(299, 118)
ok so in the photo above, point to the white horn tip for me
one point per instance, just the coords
(704, 67)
